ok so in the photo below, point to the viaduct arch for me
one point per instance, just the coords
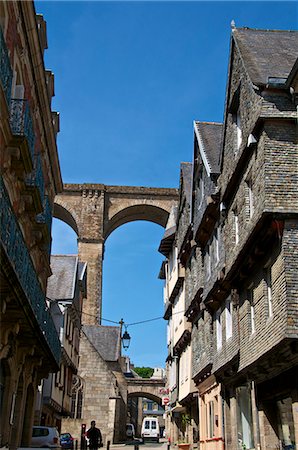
(94, 211)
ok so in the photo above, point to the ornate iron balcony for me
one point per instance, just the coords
(21, 122)
(46, 218)
(5, 68)
(13, 243)
(35, 178)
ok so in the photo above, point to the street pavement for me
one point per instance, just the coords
(131, 445)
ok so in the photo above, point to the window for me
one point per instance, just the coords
(216, 245)
(249, 199)
(172, 261)
(237, 122)
(229, 328)
(208, 262)
(218, 330)
(147, 425)
(252, 310)
(268, 279)
(200, 189)
(244, 417)
(211, 419)
(236, 226)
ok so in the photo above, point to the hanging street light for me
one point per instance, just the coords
(125, 340)
(126, 337)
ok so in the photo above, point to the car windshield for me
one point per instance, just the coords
(40, 432)
(65, 435)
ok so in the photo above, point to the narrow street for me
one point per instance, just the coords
(162, 445)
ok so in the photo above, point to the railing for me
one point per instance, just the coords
(21, 122)
(35, 178)
(46, 218)
(18, 254)
(5, 68)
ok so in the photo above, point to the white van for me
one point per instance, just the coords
(150, 429)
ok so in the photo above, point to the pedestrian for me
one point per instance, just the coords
(94, 436)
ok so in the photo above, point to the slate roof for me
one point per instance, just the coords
(210, 134)
(267, 53)
(186, 176)
(61, 285)
(105, 339)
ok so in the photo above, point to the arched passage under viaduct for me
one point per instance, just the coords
(94, 211)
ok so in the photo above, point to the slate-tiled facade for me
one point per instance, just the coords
(239, 251)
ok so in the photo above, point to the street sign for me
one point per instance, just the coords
(165, 400)
(163, 391)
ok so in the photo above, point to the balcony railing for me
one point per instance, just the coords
(46, 218)
(35, 178)
(5, 69)
(21, 122)
(18, 254)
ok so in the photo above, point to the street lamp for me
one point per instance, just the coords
(125, 338)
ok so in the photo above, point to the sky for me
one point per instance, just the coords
(130, 79)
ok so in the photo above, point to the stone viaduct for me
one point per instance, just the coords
(145, 387)
(94, 211)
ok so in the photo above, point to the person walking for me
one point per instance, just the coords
(94, 436)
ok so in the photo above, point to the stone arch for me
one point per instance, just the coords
(63, 213)
(93, 211)
(149, 213)
(145, 394)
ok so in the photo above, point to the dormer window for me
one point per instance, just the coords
(200, 189)
(236, 119)
(237, 122)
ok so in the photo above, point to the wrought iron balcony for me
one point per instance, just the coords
(21, 122)
(35, 179)
(18, 254)
(5, 69)
(46, 218)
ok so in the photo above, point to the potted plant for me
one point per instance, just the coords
(183, 443)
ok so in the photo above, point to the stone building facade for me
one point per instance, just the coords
(30, 179)
(181, 411)
(65, 293)
(239, 251)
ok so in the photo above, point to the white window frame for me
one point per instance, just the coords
(229, 319)
(250, 296)
(216, 245)
(268, 279)
(218, 330)
(236, 226)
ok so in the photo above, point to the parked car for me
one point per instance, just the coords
(47, 437)
(66, 440)
(130, 431)
(150, 429)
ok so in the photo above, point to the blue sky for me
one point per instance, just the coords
(130, 78)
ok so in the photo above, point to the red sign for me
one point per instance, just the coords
(165, 401)
(163, 391)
